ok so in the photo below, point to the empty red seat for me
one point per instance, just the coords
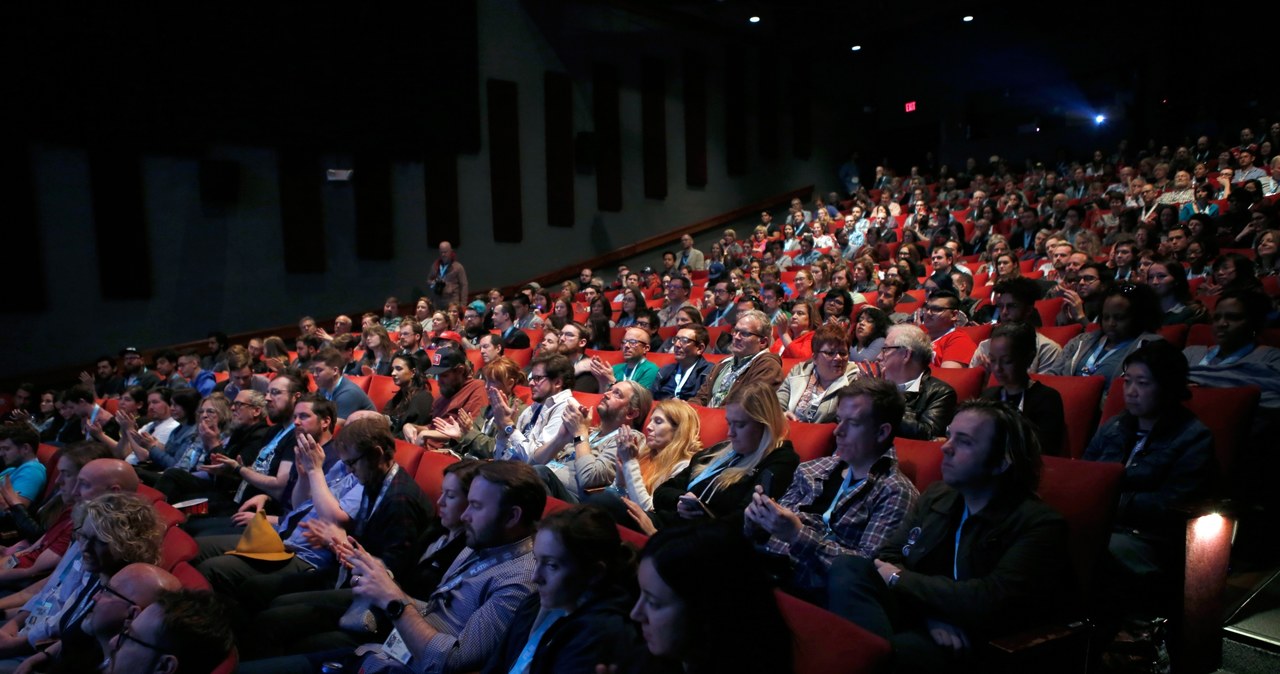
(522, 357)
(381, 390)
(919, 460)
(177, 547)
(967, 381)
(1081, 397)
(712, 428)
(812, 441)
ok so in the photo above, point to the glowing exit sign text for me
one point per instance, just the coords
(910, 106)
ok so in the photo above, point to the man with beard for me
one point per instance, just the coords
(574, 338)
(462, 622)
(588, 459)
(135, 369)
(683, 378)
(458, 391)
(391, 314)
(267, 472)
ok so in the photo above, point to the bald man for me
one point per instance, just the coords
(448, 279)
(85, 644)
(105, 475)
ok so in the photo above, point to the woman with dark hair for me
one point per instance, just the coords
(808, 392)
(869, 332)
(793, 342)
(632, 302)
(601, 333)
(865, 277)
(561, 314)
(1267, 253)
(172, 451)
(377, 350)
(412, 402)
(702, 614)
(837, 305)
(1202, 204)
(1168, 458)
(46, 419)
(1012, 349)
(599, 310)
(1238, 359)
(719, 480)
(1231, 271)
(1169, 279)
(1200, 255)
(910, 252)
(577, 618)
(1130, 317)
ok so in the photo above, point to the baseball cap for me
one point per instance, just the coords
(446, 358)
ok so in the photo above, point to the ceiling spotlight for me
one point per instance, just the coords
(754, 19)
(856, 47)
(967, 19)
(1099, 119)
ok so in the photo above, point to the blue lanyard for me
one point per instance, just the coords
(1091, 365)
(844, 488)
(955, 560)
(1248, 349)
(522, 663)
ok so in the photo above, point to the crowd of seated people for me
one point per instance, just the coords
(945, 307)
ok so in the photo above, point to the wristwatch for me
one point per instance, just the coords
(578, 440)
(894, 578)
(395, 608)
(508, 429)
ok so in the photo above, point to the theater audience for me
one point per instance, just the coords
(682, 379)
(1130, 318)
(459, 392)
(475, 437)
(412, 401)
(751, 362)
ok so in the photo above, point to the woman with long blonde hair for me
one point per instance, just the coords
(670, 440)
(720, 480)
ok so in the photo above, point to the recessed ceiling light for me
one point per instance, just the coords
(856, 47)
(967, 19)
(754, 19)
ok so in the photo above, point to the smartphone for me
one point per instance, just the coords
(693, 501)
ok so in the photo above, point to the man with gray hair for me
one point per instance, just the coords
(751, 361)
(904, 361)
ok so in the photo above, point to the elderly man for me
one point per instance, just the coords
(751, 361)
(904, 360)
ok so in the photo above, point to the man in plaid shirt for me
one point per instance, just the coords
(844, 504)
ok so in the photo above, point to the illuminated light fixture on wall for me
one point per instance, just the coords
(968, 19)
(754, 19)
(856, 47)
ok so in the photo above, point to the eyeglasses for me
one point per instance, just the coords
(834, 355)
(631, 342)
(936, 309)
(115, 593)
(682, 341)
(744, 334)
(127, 635)
(535, 378)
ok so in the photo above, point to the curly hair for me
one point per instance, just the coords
(126, 523)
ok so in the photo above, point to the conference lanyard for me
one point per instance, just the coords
(1233, 358)
(846, 487)
(955, 560)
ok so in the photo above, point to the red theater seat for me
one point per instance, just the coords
(919, 460)
(825, 643)
(713, 428)
(812, 441)
(430, 473)
(967, 381)
(381, 390)
(1081, 398)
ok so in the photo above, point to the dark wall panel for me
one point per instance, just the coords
(770, 98)
(120, 223)
(440, 173)
(375, 233)
(504, 161)
(735, 112)
(557, 102)
(608, 137)
(695, 119)
(25, 261)
(302, 212)
(653, 119)
(802, 111)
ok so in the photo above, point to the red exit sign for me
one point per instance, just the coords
(910, 106)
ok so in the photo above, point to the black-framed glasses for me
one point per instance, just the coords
(535, 378)
(126, 634)
(632, 342)
(743, 334)
(834, 355)
(116, 593)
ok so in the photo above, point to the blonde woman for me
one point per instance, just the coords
(670, 440)
(720, 480)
